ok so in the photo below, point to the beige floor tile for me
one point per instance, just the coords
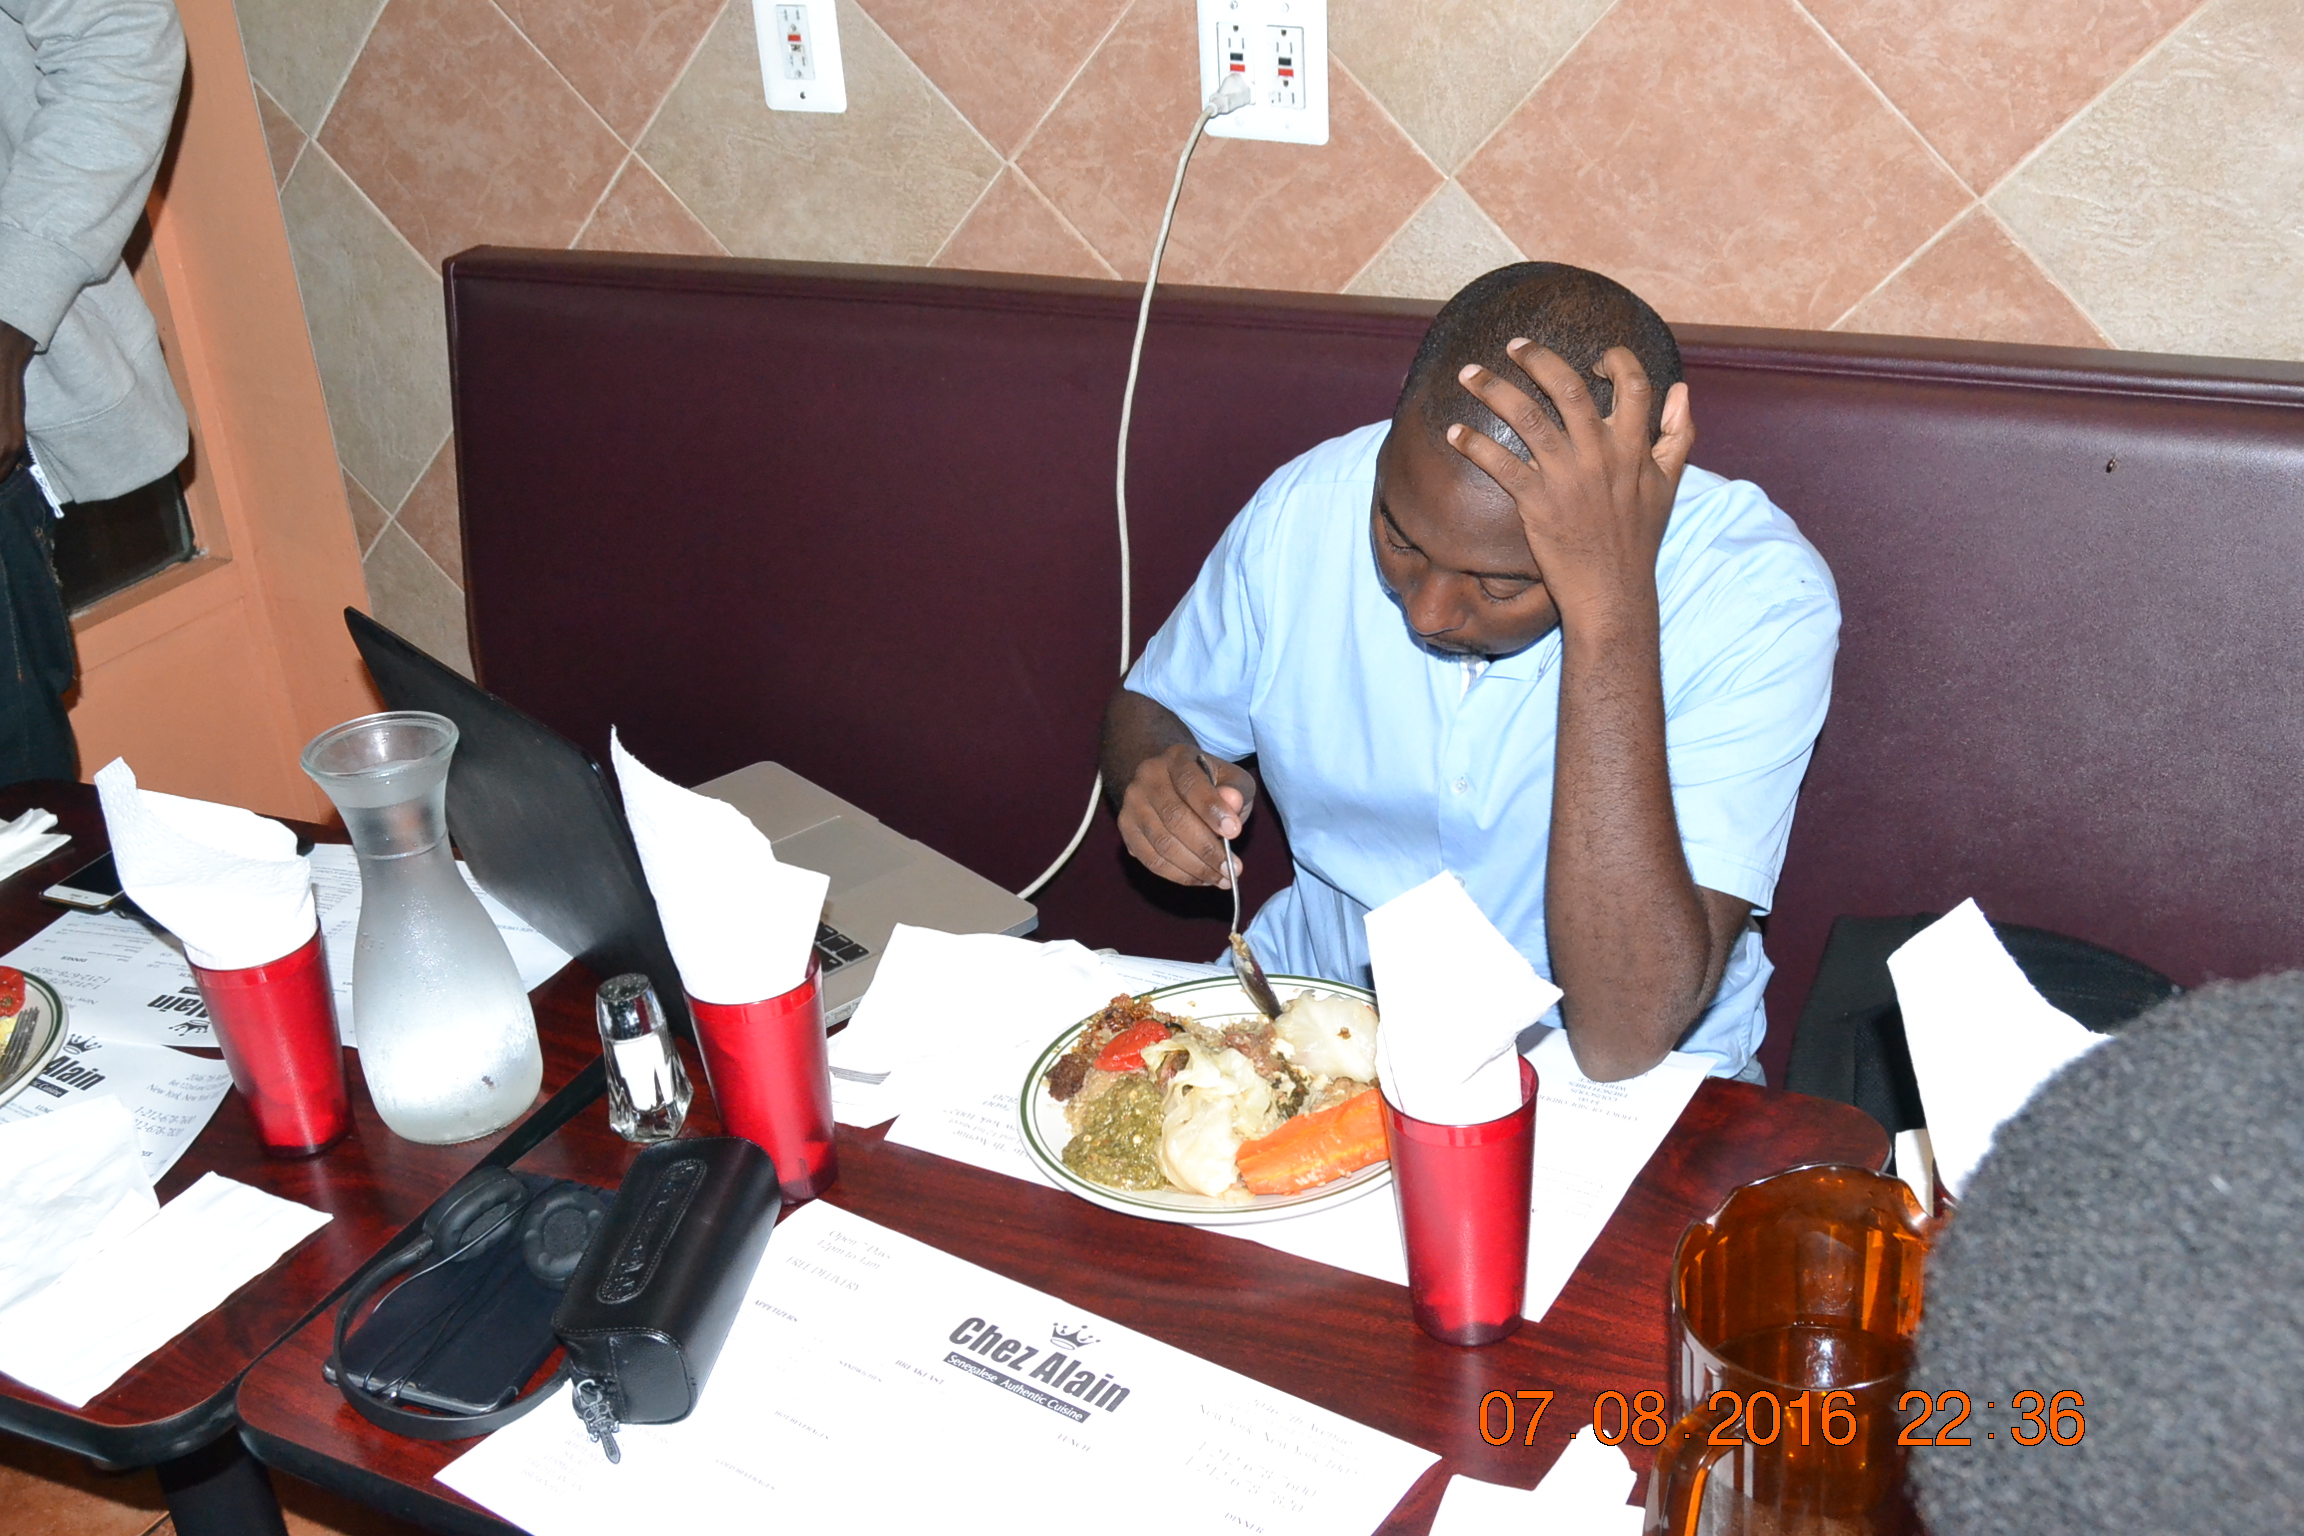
(1448, 243)
(623, 55)
(1719, 158)
(457, 128)
(1002, 62)
(641, 214)
(299, 50)
(410, 594)
(1986, 80)
(1015, 229)
(2169, 209)
(374, 311)
(1449, 71)
(886, 181)
(1975, 284)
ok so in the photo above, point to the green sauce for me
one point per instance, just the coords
(1118, 1143)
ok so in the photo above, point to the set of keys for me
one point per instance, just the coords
(599, 1416)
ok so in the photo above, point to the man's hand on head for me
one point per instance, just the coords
(1174, 818)
(16, 351)
(1595, 495)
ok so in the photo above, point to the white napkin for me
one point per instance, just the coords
(228, 882)
(1454, 994)
(70, 1181)
(740, 923)
(25, 841)
(118, 1303)
(1981, 1038)
(1583, 1495)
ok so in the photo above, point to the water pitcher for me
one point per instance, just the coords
(447, 1041)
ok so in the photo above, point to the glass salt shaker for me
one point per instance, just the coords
(648, 1090)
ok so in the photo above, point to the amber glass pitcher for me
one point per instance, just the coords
(1793, 1311)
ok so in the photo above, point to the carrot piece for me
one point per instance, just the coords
(1311, 1150)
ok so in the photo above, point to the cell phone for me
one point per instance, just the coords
(93, 887)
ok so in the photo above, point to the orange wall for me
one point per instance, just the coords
(210, 678)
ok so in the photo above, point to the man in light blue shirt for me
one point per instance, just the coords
(1508, 634)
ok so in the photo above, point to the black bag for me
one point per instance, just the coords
(651, 1292)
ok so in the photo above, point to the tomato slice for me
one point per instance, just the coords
(12, 993)
(1126, 1051)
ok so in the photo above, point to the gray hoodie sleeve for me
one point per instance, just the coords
(108, 76)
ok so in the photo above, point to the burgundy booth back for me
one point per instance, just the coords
(859, 520)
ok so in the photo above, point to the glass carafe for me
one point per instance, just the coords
(447, 1040)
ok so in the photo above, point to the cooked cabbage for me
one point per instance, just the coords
(1329, 1037)
(1215, 1103)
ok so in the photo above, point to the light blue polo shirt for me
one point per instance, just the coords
(1390, 763)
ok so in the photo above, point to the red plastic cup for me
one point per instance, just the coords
(772, 1078)
(279, 1038)
(1463, 1192)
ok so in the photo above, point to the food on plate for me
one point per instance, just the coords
(11, 1003)
(1229, 1110)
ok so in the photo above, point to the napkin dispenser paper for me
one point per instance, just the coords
(646, 1309)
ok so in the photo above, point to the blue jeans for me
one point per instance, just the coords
(36, 664)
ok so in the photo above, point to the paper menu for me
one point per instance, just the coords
(859, 1346)
(169, 1095)
(120, 980)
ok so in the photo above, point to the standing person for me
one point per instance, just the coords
(1508, 633)
(87, 97)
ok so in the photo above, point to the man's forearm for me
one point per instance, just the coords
(1627, 928)
(1136, 728)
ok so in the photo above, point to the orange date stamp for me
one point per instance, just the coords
(1764, 1418)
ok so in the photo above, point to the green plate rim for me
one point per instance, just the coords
(37, 1063)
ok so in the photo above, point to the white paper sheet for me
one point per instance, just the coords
(169, 1096)
(853, 1332)
(121, 981)
(67, 1186)
(119, 1303)
(1982, 1039)
(27, 840)
(1141, 973)
(1582, 1495)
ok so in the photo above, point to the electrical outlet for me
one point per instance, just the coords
(800, 55)
(1282, 46)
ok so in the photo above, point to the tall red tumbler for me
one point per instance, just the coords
(278, 1033)
(772, 1079)
(1464, 1195)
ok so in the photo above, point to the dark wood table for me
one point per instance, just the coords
(179, 1400)
(1334, 1338)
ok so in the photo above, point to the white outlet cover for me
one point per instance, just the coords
(821, 86)
(1261, 119)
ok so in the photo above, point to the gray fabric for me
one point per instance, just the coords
(2136, 1235)
(87, 97)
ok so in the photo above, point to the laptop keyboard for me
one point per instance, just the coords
(835, 949)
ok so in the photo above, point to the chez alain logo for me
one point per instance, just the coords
(1056, 1373)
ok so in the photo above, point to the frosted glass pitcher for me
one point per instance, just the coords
(447, 1040)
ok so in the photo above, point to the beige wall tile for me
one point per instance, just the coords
(283, 140)
(377, 328)
(1986, 80)
(368, 518)
(641, 214)
(432, 515)
(1974, 284)
(411, 595)
(2169, 209)
(456, 127)
(623, 55)
(299, 50)
(1760, 181)
(1015, 229)
(886, 181)
(1449, 71)
(1002, 62)
(1448, 243)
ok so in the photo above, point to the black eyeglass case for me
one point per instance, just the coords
(660, 1285)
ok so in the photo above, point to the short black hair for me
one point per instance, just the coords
(1578, 314)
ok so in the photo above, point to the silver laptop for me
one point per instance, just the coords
(880, 877)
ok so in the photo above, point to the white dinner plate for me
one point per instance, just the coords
(42, 1024)
(1213, 1001)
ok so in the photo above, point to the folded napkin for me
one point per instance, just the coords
(228, 882)
(1454, 994)
(1982, 1039)
(25, 841)
(120, 1302)
(70, 1181)
(741, 924)
(1583, 1495)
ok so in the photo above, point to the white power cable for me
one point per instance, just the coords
(1230, 96)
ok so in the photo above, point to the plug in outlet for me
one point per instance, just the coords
(800, 56)
(1282, 46)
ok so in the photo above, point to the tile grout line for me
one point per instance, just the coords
(1527, 96)
(1414, 214)
(546, 60)
(1918, 251)
(953, 107)
(1085, 243)
(631, 157)
(389, 516)
(1885, 100)
(336, 91)
(430, 270)
(678, 76)
(2054, 281)
(1065, 90)
(961, 223)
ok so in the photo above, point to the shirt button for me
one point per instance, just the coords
(1461, 785)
